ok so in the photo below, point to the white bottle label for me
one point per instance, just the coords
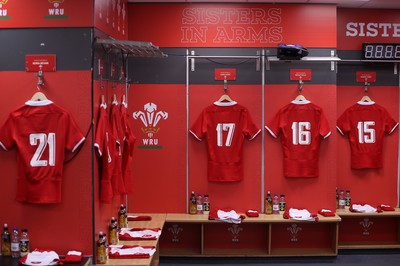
(15, 247)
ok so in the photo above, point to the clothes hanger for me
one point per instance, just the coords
(225, 97)
(38, 96)
(300, 97)
(366, 98)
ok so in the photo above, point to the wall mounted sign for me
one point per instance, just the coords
(300, 74)
(362, 76)
(35, 63)
(225, 74)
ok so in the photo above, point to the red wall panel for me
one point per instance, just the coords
(159, 157)
(69, 222)
(111, 17)
(38, 14)
(233, 25)
(355, 26)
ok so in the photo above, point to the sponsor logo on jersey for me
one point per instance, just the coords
(56, 11)
(150, 119)
(3, 11)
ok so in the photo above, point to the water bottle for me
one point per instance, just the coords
(101, 250)
(5, 242)
(24, 247)
(199, 204)
(206, 205)
(337, 199)
(113, 231)
(192, 204)
(282, 204)
(347, 199)
(342, 201)
(268, 203)
(122, 217)
(15, 252)
(275, 204)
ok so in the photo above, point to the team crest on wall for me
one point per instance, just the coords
(150, 118)
(57, 10)
(3, 10)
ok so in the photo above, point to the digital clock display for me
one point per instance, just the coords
(381, 51)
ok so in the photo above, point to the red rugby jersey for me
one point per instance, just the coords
(127, 151)
(366, 124)
(104, 144)
(225, 125)
(41, 132)
(301, 125)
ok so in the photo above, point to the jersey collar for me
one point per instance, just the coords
(38, 103)
(225, 103)
(366, 103)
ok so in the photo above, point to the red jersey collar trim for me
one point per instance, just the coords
(225, 103)
(38, 103)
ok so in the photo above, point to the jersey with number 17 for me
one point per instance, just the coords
(225, 125)
(42, 133)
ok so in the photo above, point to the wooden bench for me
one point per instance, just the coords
(267, 235)
(157, 221)
(369, 230)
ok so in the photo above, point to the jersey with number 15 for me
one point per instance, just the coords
(302, 126)
(225, 125)
(366, 124)
(41, 132)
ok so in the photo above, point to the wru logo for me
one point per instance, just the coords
(150, 118)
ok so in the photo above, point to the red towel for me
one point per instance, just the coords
(385, 207)
(139, 218)
(252, 213)
(326, 213)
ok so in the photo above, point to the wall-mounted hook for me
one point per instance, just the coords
(366, 84)
(40, 76)
(300, 85)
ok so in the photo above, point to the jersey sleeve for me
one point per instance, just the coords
(390, 123)
(199, 127)
(343, 123)
(250, 130)
(7, 132)
(274, 126)
(324, 129)
(100, 131)
(74, 137)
